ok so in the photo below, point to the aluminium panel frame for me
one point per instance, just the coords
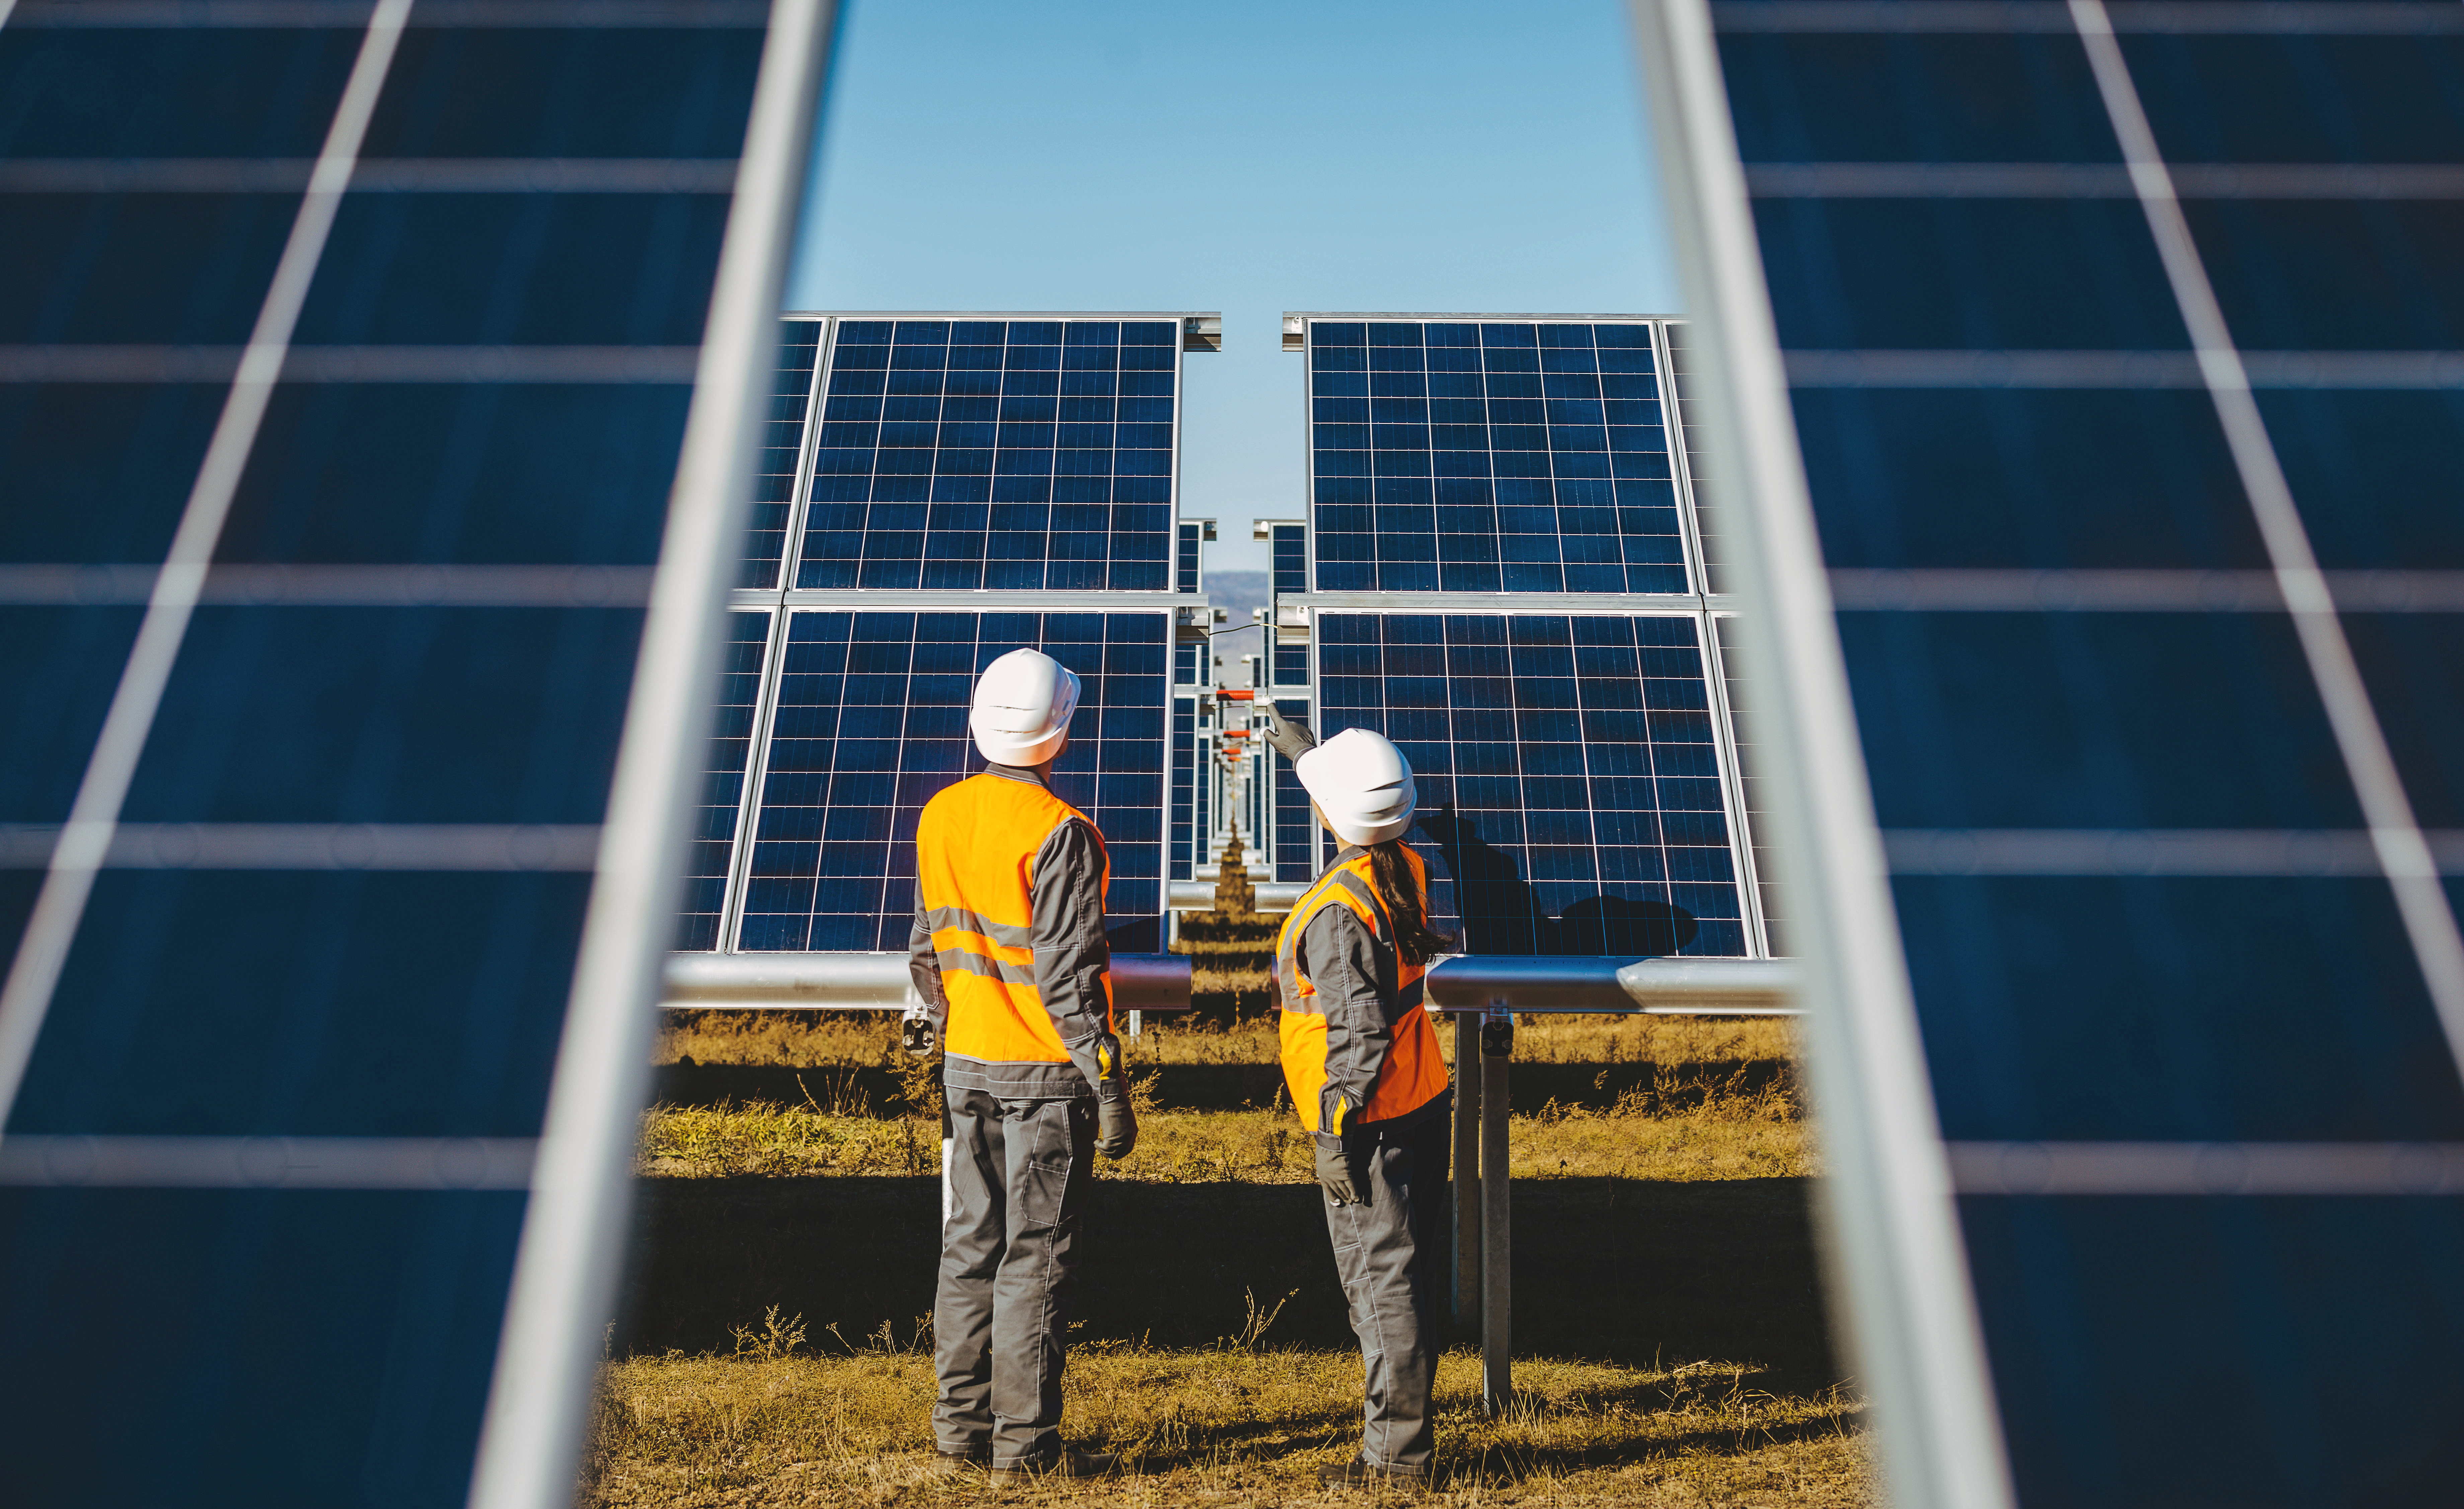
(1899, 1265)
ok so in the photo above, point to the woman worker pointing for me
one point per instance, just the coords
(1362, 1062)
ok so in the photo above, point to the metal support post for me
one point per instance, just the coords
(1497, 1249)
(1467, 1155)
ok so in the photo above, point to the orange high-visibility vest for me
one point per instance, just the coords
(976, 845)
(1415, 1073)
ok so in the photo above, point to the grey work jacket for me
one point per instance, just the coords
(1072, 958)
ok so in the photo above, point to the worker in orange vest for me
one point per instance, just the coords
(1365, 1073)
(1009, 957)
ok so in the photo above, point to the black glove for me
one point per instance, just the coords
(1290, 740)
(1116, 1123)
(916, 1036)
(1337, 1177)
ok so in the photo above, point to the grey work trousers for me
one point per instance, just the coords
(1018, 1174)
(1392, 1254)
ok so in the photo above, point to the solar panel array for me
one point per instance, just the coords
(349, 350)
(1581, 786)
(1011, 479)
(2121, 344)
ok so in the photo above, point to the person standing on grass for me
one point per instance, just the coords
(1366, 1077)
(1009, 957)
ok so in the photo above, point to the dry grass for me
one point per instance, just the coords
(1686, 1126)
(1230, 1425)
(836, 1039)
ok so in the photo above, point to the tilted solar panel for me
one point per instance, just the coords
(372, 409)
(1489, 455)
(872, 722)
(1569, 785)
(2122, 351)
(1006, 455)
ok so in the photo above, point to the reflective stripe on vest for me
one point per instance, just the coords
(1415, 1072)
(976, 845)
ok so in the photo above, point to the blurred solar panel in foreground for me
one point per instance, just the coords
(2102, 327)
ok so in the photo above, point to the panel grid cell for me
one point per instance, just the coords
(781, 453)
(1484, 456)
(1000, 455)
(709, 858)
(872, 722)
(1570, 792)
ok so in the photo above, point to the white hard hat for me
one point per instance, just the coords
(1023, 706)
(1362, 784)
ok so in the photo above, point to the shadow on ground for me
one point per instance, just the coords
(1619, 1270)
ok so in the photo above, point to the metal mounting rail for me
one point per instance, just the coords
(1673, 987)
(875, 982)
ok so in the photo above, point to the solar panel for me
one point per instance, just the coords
(1188, 807)
(1184, 563)
(871, 723)
(1570, 794)
(993, 454)
(2119, 347)
(1487, 456)
(1289, 545)
(350, 356)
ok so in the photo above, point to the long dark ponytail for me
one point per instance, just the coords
(1407, 906)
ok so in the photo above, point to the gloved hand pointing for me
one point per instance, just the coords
(1290, 740)
(1116, 1122)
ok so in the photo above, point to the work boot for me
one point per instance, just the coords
(1357, 1474)
(1070, 1463)
(951, 1464)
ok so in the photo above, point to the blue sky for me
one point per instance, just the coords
(1250, 158)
